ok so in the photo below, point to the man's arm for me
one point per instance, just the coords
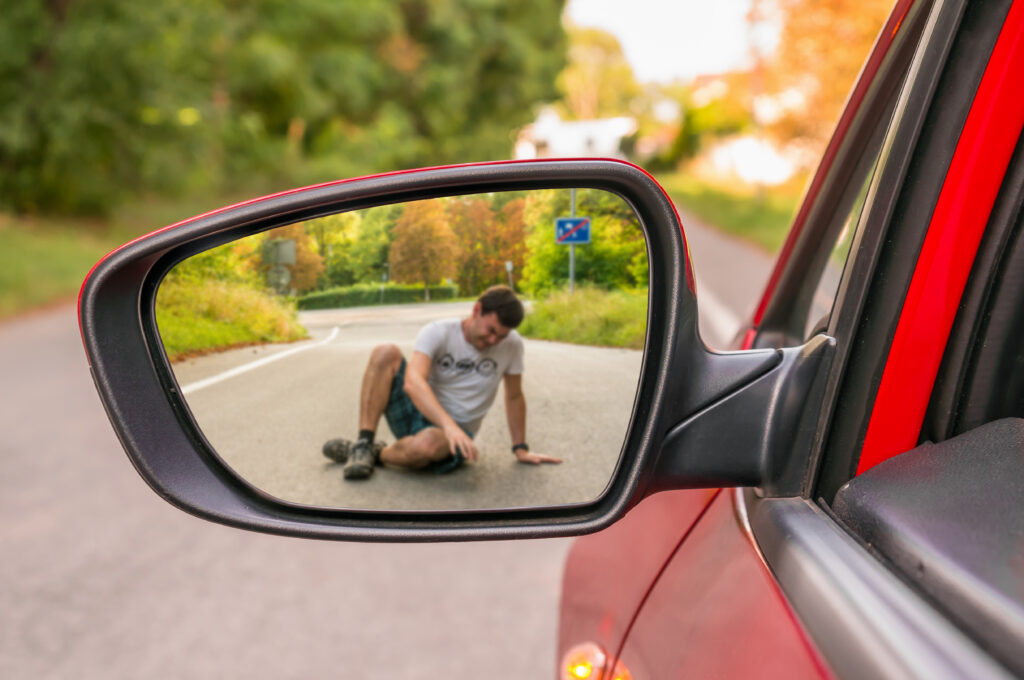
(423, 397)
(515, 411)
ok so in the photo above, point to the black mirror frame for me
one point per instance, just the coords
(141, 397)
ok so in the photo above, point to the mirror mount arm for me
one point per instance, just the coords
(759, 434)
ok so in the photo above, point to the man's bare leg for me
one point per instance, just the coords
(373, 399)
(418, 450)
(376, 388)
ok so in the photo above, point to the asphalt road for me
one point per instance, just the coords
(103, 579)
(269, 422)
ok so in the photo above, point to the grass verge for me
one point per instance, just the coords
(194, 318)
(761, 216)
(590, 316)
(42, 265)
(43, 260)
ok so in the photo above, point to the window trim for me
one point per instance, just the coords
(958, 222)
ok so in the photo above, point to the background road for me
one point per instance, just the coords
(102, 579)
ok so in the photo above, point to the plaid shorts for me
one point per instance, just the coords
(405, 420)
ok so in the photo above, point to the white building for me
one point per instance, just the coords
(551, 137)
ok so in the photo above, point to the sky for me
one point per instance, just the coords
(666, 40)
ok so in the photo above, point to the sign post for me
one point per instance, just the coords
(384, 280)
(572, 246)
(570, 231)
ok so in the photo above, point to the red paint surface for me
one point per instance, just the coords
(860, 90)
(748, 339)
(975, 175)
(716, 612)
(609, 574)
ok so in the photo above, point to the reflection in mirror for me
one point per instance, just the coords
(292, 345)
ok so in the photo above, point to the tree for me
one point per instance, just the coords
(808, 68)
(473, 223)
(424, 249)
(511, 236)
(354, 245)
(95, 98)
(490, 232)
(235, 262)
(717, 109)
(616, 257)
(598, 82)
(106, 98)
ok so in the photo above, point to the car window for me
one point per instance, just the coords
(810, 276)
(824, 295)
(826, 268)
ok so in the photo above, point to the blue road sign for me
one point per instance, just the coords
(570, 230)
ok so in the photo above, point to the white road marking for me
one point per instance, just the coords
(245, 368)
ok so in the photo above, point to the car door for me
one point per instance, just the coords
(610, 574)
(792, 587)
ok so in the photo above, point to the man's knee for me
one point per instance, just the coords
(386, 356)
(418, 450)
(429, 445)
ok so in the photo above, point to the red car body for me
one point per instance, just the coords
(878, 430)
(681, 587)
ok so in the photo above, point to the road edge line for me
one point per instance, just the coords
(245, 368)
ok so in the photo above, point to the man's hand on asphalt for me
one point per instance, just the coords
(458, 440)
(535, 458)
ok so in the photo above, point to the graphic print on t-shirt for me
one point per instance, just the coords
(448, 364)
(464, 379)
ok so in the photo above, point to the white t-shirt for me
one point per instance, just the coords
(463, 378)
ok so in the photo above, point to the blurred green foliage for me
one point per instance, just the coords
(103, 99)
(40, 265)
(616, 257)
(590, 316)
(706, 118)
(215, 314)
(354, 245)
(364, 294)
(218, 299)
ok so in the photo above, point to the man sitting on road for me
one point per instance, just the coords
(435, 403)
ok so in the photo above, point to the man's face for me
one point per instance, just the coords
(486, 331)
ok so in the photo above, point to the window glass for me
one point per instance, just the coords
(828, 284)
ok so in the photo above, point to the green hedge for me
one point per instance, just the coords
(363, 294)
(590, 316)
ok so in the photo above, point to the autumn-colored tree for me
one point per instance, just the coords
(490, 232)
(823, 45)
(512, 233)
(424, 249)
(472, 221)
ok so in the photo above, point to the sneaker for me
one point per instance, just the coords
(361, 460)
(338, 450)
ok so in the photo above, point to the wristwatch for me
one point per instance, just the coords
(521, 445)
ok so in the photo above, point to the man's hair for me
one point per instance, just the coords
(502, 301)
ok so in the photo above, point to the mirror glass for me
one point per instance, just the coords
(401, 321)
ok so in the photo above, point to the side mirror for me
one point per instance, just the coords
(697, 418)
